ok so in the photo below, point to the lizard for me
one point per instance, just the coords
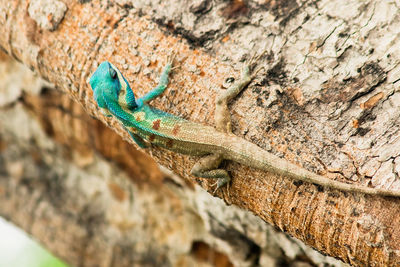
(149, 126)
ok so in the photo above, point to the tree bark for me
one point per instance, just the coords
(328, 100)
(79, 205)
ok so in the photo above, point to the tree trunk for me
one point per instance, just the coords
(327, 101)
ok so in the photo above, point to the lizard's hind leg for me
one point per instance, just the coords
(207, 167)
(222, 115)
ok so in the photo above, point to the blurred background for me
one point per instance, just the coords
(19, 250)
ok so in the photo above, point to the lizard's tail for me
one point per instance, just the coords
(251, 155)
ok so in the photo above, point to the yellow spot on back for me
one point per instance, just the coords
(140, 116)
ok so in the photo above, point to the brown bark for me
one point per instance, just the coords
(337, 112)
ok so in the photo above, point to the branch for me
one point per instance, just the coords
(318, 122)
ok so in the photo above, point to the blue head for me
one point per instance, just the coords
(109, 85)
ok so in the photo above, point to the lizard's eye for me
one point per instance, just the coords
(113, 73)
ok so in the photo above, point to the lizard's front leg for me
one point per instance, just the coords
(162, 84)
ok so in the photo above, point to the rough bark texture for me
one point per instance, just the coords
(328, 100)
(56, 183)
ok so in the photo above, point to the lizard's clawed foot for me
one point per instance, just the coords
(253, 62)
(221, 182)
(171, 59)
(254, 74)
